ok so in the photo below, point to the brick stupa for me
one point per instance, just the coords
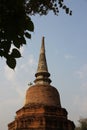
(42, 109)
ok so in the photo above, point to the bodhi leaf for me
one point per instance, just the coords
(15, 53)
(67, 10)
(11, 62)
(18, 42)
(29, 24)
(1, 53)
(5, 45)
(27, 35)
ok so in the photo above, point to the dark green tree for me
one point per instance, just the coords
(16, 24)
(83, 124)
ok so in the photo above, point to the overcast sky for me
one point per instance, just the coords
(66, 53)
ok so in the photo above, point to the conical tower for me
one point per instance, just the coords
(42, 109)
(42, 70)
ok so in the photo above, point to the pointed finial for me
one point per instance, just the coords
(42, 65)
(42, 46)
(42, 75)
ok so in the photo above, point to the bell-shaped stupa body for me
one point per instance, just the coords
(42, 109)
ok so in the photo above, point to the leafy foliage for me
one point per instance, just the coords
(16, 24)
(83, 124)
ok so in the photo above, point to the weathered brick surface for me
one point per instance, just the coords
(39, 117)
(43, 94)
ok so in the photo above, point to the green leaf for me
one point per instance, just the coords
(70, 12)
(1, 53)
(18, 42)
(22, 40)
(29, 24)
(67, 10)
(11, 62)
(15, 53)
(28, 35)
(5, 45)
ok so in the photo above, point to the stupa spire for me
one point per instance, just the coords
(42, 74)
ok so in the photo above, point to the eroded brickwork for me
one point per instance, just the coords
(40, 117)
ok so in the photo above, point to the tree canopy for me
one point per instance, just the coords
(83, 124)
(16, 24)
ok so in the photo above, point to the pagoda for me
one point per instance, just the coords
(42, 109)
